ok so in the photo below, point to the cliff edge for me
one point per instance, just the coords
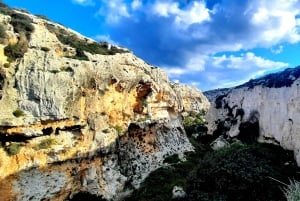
(265, 109)
(81, 116)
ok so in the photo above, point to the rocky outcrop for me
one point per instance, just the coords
(265, 109)
(74, 120)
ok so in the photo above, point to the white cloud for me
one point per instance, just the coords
(105, 38)
(84, 2)
(196, 64)
(114, 10)
(136, 4)
(245, 61)
(175, 71)
(275, 21)
(277, 50)
(192, 40)
(194, 13)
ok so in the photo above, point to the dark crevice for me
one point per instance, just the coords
(69, 128)
(47, 131)
(13, 138)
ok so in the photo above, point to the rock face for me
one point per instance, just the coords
(267, 109)
(98, 124)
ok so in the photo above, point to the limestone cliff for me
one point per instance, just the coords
(266, 109)
(77, 115)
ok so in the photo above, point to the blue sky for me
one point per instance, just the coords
(206, 43)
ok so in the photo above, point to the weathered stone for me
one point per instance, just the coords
(268, 108)
(76, 119)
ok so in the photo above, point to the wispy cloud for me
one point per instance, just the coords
(84, 2)
(114, 10)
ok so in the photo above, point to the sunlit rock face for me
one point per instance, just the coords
(98, 125)
(267, 108)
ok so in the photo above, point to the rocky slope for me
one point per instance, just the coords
(266, 109)
(77, 115)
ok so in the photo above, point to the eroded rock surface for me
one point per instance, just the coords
(98, 124)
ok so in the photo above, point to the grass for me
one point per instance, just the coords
(292, 191)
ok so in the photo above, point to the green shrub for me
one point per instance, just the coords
(194, 123)
(6, 65)
(2, 32)
(5, 10)
(18, 113)
(159, 184)
(22, 24)
(15, 51)
(292, 191)
(46, 143)
(13, 149)
(119, 130)
(42, 17)
(236, 173)
(241, 172)
(172, 159)
(82, 45)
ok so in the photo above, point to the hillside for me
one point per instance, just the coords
(82, 116)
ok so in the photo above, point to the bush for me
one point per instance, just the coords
(236, 173)
(42, 17)
(292, 191)
(18, 113)
(83, 45)
(46, 143)
(194, 123)
(13, 149)
(84, 196)
(241, 172)
(2, 32)
(6, 65)
(172, 159)
(119, 130)
(15, 51)
(159, 184)
(22, 24)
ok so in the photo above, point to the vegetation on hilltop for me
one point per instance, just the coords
(82, 45)
(22, 25)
